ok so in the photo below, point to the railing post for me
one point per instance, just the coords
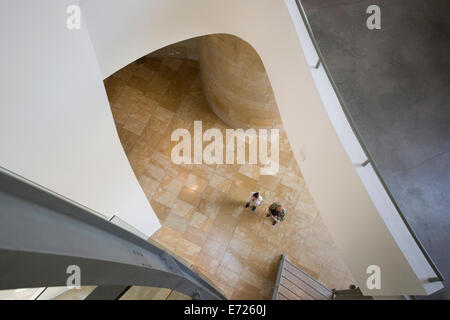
(317, 64)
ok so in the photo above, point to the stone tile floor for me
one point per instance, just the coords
(201, 207)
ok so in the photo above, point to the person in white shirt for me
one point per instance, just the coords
(254, 201)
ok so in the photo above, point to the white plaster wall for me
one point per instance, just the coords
(56, 127)
(376, 191)
(122, 31)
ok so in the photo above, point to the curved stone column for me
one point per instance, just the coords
(235, 83)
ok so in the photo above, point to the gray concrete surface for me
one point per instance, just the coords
(396, 83)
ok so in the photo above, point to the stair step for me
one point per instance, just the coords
(305, 280)
(300, 293)
(294, 284)
(302, 285)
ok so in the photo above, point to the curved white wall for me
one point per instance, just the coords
(56, 128)
(122, 31)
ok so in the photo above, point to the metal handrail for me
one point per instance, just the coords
(277, 282)
(55, 233)
(350, 120)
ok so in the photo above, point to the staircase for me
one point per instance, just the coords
(294, 284)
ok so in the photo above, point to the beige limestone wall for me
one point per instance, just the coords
(235, 83)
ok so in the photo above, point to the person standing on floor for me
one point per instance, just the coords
(254, 201)
(277, 212)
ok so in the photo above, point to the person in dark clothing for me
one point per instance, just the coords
(277, 212)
